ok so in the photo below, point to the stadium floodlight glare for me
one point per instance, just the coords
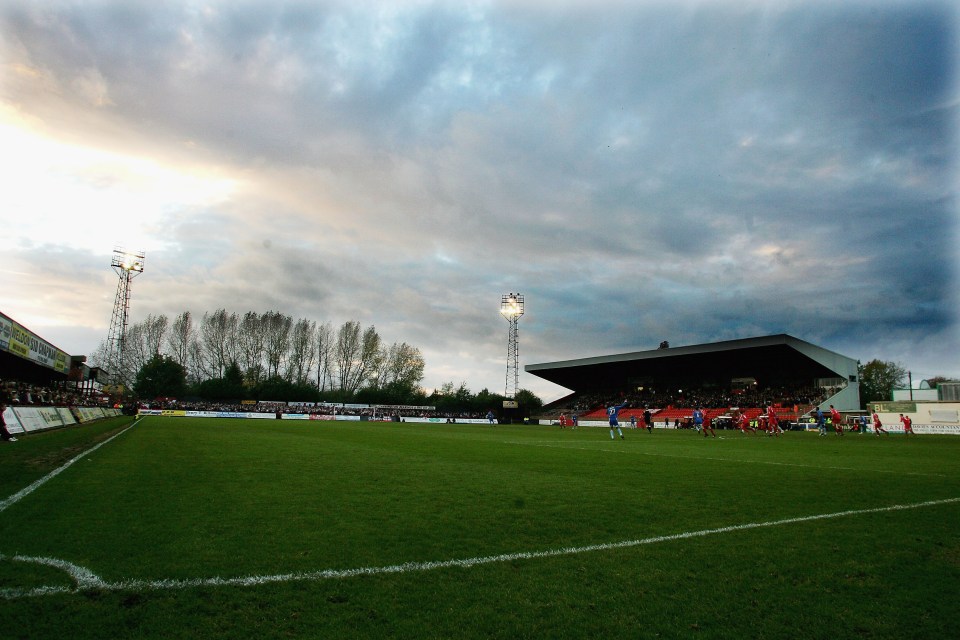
(127, 260)
(511, 308)
(128, 265)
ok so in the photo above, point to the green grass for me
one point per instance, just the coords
(35, 455)
(194, 499)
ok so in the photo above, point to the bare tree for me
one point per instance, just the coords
(250, 346)
(180, 337)
(377, 378)
(277, 340)
(371, 355)
(101, 355)
(155, 330)
(196, 367)
(325, 347)
(356, 355)
(217, 339)
(302, 352)
(230, 352)
(400, 364)
(347, 354)
(142, 342)
(136, 352)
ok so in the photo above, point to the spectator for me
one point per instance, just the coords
(5, 435)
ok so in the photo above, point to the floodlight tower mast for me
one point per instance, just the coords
(127, 265)
(511, 308)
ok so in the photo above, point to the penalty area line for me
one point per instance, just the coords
(86, 580)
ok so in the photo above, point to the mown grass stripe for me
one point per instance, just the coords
(87, 580)
(736, 460)
(23, 493)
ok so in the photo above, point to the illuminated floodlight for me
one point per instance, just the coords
(511, 308)
(129, 261)
(128, 265)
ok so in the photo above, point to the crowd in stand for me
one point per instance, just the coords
(310, 409)
(796, 399)
(425, 413)
(23, 394)
(211, 406)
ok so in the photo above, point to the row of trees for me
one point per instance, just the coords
(269, 346)
(270, 356)
(163, 377)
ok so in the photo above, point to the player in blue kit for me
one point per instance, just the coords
(821, 421)
(702, 425)
(613, 411)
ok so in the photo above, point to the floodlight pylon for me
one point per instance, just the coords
(511, 308)
(127, 265)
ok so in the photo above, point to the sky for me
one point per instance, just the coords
(639, 171)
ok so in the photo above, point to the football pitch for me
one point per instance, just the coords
(196, 528)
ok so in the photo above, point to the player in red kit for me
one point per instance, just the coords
(907, 425)
(877, 427)
(772, 423)
(837, 420)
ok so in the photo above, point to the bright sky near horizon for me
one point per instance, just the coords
(640, 171)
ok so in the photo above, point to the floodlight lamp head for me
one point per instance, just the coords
(511, 306)
(131, 263)
(128, 261)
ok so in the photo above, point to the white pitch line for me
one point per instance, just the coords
(83, 577)
(87, 580)
(23, 493)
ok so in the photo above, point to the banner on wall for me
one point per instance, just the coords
(940, 429)
(66, 416)
(6, 327)
(12, 422)
(86, 414)
(38, 418)
(895, 407)
(28, 419)
(20, 341)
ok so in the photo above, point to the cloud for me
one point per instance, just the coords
(641, 171)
